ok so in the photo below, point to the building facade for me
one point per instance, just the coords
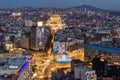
(55, 22)
(39, 38)
(82, 73)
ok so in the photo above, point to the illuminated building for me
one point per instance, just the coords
(107, 54)
(39, 37)
(39, 23)
(55, 22)
(16, 14)
(9, 46)
(18, 69)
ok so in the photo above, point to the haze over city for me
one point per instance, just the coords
(59, 40)
(104, 4)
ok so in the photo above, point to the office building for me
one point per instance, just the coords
(39, 38)
(82, 73)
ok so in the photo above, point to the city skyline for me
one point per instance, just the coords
(104, 4)
(76, 42)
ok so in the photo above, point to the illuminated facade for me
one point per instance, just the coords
(16, 14)
(55, 22)
(28, 23)
(19, 69)
(82, 73)
(36, 38)
(39, 38)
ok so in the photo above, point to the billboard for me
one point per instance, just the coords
(59, 47)
(62, 47)
(56, 47)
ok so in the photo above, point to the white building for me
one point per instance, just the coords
(83, 73)
(16, 14)
(28, 23)
(39, 37)
(39, 23)
(9, 46)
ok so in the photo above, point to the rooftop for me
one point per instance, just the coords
(12, 64)
(83, 69)
(105, 48)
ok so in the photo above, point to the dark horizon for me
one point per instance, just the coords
(93, 7)
(102, 4)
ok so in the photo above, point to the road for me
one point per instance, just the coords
(46, 64)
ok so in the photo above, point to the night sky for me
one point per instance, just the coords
(105, 4)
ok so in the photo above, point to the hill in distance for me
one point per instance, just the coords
(87, 7)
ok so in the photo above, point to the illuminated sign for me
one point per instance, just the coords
(62, 47)
(56, 47)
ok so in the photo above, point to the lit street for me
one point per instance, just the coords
(47, 64)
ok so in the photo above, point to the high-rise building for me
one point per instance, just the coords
(39, 37)
(9, 46)
(16, 14)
